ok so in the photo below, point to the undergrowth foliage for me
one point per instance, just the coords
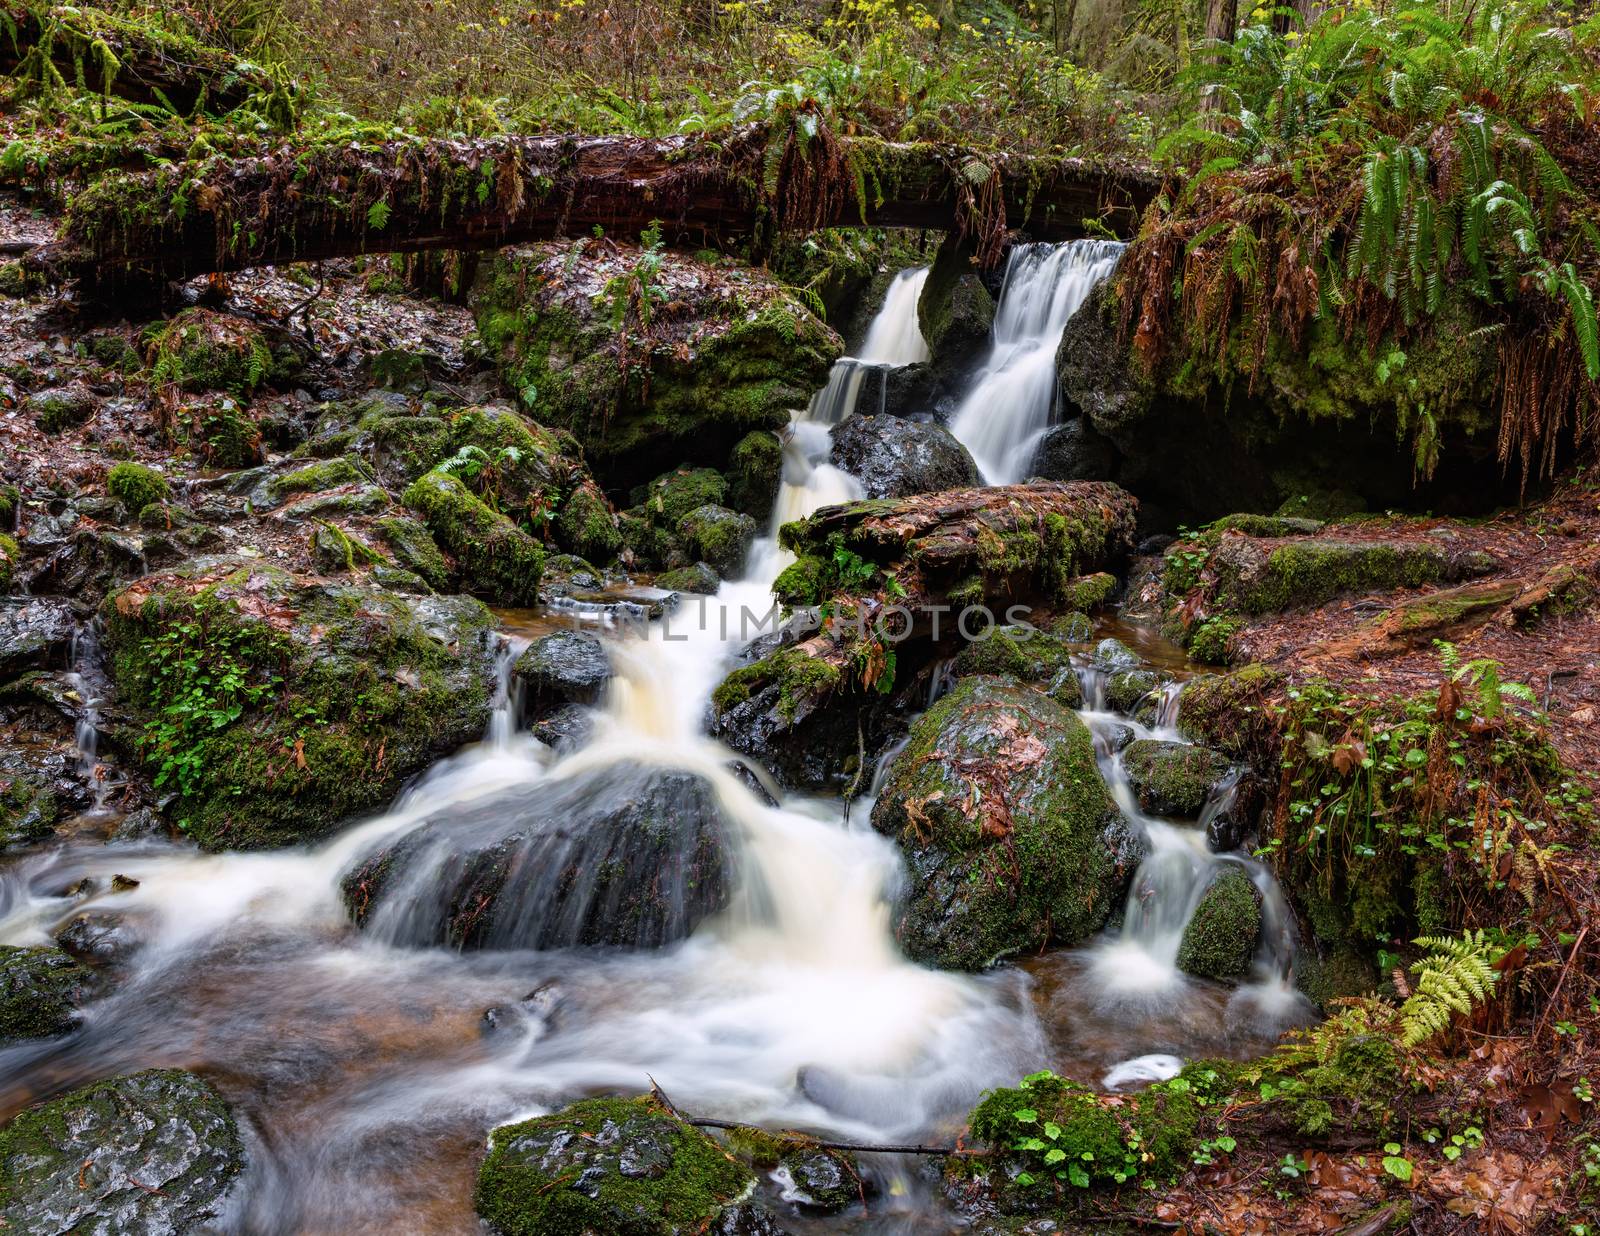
(1361, 171)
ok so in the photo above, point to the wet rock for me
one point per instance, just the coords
(40, 992)
(955, 313)
(415, 550)
(98, 938)
(755, 469)
(392, 681)
(566, 729)
(567, 574)
(35, 632)
(567, 666)
(894, 458)
(1230, 814)
(1112, 736)
(586, 524)
(614, 1165)
(498, 560)
(61, 407)
(1126, 689)
(1172, 778)
(732, 351)
(1026, 655)
(718, 537)
(630, 857)
(1114, 654)
(698, 578)
(1075, 628)
(154, 1152)
(1011, 838)
(405, 447)
(672, 495)
(1220, 939)
(818, 1180)
(1074, 451)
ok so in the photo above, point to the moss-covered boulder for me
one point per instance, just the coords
(586, 525)
(61, 408)
(136, 486)
(10, 560)
(498, 561)
(40, 991)
(672, 495)
(1172, 778)
(404, 447)
(697, 577)
(626, 1167)
(727, 349)
(1219, 941)
(718, 537)
(1011, 838)
(1027, 655)
(894, 458)
(202, 350)
(1230, 712)
(754, 472)
(148, 1152)
(1125, 689)
(1265, 575)
(275, 706)
(29, 805)
(625, 857)
(781, 710)
(416, 550)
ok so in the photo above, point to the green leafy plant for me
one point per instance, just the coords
(1455, 975)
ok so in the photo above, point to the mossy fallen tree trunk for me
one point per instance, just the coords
(305, 203)
(65, 47)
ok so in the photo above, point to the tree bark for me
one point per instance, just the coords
(339, 200)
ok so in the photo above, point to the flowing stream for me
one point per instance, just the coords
(366, 1069)
(1011, 400)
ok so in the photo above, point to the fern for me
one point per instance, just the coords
(1456, 975)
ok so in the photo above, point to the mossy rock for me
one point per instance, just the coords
(1075, 627)
(730, 351)
(650, 545)
(1228, 712)
(1126, 689)
(40, 991)
(201, 350)
(336, 550)
(1172, 778)
(697, 578)
(792, 711)
(755, 470)
(415, 549)
(1027, 655)
(625, 1167)
(61, 408)
(10, 559)
(532, 464)
(1262, 526)
(345, 692)
(136, 486)
(498, 560)
(147, 1152)
(404, 447)
(1090, 592)
(672, 495)
(586, 526)
(1011, 838)
(955, 312)
(315, 478)
(1255, 577)
(718, 537)
(1219, 941)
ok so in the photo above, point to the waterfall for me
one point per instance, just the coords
(1012, 397)
(809, 481)
(87, 679)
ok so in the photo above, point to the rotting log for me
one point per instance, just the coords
(307, 203)
(93, 50)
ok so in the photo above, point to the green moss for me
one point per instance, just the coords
(498, 560)
(718, 537)
(416, 550)
(698, 578)
(650, 545)
(200, 350)
(10, 504)
(1261, 525)
(800, 678)
(40, 990)
(1228, 711)
(1172, 778)
(136, 486)
(316, 478)
(1026, 655)
(672, 495)
(1220, 939)
(586, 526)
(224, 435)
(404, 447)
(755, 469)
(1126, 688)
(1313, 572)
(801, 582)
(1211, 641)
(333, 549)
(1090, 592)
(57, 411)
(569, 1174)
(10, 557)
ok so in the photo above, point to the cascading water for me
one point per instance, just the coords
(363, 1064)
(1012, 397)
(87, 680)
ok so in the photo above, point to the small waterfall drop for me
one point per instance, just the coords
(895, 336)
(87, 679)
(1012, 397)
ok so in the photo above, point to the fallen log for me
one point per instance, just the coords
(65, 47)
(312, 202)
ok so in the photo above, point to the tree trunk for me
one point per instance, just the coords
(1222, 23)
(339, 200)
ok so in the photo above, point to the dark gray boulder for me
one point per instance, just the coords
(1075, 451)
(564, 667)
(40, 991)
(895, 458)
